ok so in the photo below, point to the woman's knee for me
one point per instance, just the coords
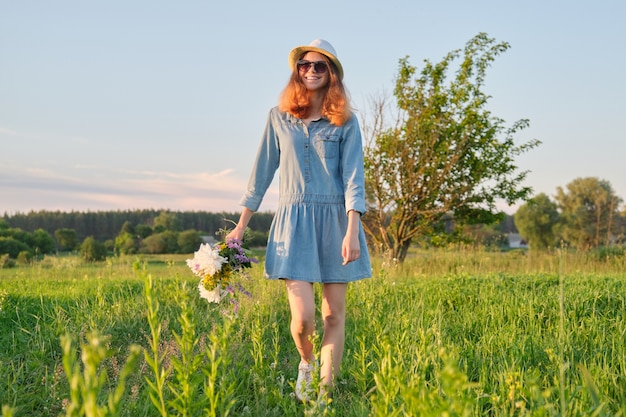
(302, 325)
(334, 318)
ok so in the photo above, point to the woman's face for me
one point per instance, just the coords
(314, 71)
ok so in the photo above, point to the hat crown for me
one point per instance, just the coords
(325, 45)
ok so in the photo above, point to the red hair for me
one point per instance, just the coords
(295, 98)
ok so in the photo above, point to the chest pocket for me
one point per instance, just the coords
(327, 146)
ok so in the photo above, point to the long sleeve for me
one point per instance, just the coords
(352, 170)
(265, 166)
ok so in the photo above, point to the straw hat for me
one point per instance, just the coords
(318, 45)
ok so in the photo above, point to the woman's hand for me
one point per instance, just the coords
(236, 233)
(350, 248)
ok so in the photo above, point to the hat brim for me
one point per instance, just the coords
(297, 52)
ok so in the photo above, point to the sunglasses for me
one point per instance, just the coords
(318, 66)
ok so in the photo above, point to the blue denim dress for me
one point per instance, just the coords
(320, 179)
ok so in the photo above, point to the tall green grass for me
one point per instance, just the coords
(462, 332)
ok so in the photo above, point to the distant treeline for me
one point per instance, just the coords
(104, 225)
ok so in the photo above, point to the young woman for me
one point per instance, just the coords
(314, 139)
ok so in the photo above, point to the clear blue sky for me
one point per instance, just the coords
(108, 105)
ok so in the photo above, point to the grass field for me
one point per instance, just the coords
(456, 333)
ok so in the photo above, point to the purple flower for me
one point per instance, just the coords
(241, 258)
(234, 244)
(243, 290)
(235, 305)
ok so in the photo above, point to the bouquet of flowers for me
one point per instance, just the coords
(218, 267)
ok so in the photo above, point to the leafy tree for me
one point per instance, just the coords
(165, 242)
(167, 220)
(92, 251)
(536, 221)
(109, 245)
(170, 238)
(256, 238)
(154, 243)
(67, 238)
(487, 235)
(125, 243)
(12, 247)
(43, 242)
(189, 241)
(445, 153)
(589, 212)
(143, 230)
(127, 227)
(20, 235)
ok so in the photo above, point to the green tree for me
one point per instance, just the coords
(92, 251)
(446, 152)
(589, 212)
(20, 235)
(43, 242)
(537, 220)
(256, 238)
(12, 247)
(153, 244)
(167, 220)
(486, 235)
(170, 238)
(127, 227)
(143, 230)
(126, 241)
(189, 241)
(66, 238)
(164, 242)
(126, 244)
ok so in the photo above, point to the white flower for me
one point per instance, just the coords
(213, 296)
(206, 261)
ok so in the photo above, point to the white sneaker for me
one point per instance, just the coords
(303, 383)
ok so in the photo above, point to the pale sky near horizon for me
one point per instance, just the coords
(121, 105)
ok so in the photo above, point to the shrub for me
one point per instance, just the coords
(125, 243)
(12, 246)
(24, 257)
(604, 253)
(164, 242)
(6, 261)
(189, 241)
(92, 251)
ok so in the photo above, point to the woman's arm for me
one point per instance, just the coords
(240, 228)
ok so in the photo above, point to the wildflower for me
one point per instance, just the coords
(219, 267)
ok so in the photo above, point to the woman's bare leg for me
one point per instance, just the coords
(334, 317)
(302, 305)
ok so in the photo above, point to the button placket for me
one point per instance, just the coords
(306, 154)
